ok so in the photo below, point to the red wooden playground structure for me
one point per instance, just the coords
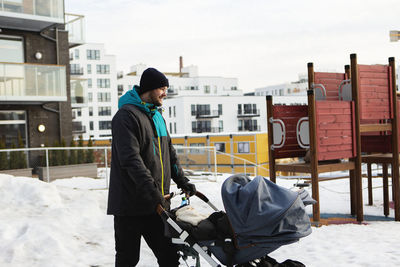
(350, 118)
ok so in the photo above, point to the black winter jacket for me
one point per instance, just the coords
(136, 170)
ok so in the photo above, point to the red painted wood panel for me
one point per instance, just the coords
(335, 130)
(375, 92)
(331, 82)
(290, 116)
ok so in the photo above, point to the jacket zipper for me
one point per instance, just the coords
(162, 167)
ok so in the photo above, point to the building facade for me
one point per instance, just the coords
(285, 89)
(221, 114)
(35, 101)
(186, 82)
(94, 87)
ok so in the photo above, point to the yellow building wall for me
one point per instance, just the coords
(204, 160)
(221, 158)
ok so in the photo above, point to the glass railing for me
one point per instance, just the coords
(78, 92)
(45, 8)
(32, 82)
(75, 25)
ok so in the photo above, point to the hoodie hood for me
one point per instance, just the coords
(132, 97)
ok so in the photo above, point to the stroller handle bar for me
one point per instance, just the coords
(197, 194)
(183, 235)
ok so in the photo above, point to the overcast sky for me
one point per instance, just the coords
(259, 42)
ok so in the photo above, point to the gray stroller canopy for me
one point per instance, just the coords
(264, 214)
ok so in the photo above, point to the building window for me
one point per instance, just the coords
(103, 83)
(220, 147)
(104, 125)
(76, 69)
(193, 149)
(233, 88)
(103, 97)
(193, 109)
(174, 111)
(76, 53)
(206, 89)
(203, 109)
(12, 125)
(12, 50)
(91, 125)
(104, 111)
(79, 112)
(219, 109)
(170, 127)
(89, 68)
(193, 126)
(169, 111)
(89, 83)
(93, 54)
(90, 111)
(243, 147)
(220, 126)
(201, 126)
(103, 69)
(90, 97)
(174, 127)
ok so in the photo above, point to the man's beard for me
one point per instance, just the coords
(156, 100)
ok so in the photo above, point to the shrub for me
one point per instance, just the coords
(72, 153)
(81, 153)
(89, 152)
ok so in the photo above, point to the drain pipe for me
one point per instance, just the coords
(42, 33)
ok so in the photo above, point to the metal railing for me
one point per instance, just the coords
(41, 161)
(45, 157)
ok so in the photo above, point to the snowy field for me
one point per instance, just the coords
(64, 224)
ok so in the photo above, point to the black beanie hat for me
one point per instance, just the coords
(152, 79)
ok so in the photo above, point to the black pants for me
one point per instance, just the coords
(128, 232)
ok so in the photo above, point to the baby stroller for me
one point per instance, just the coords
(260, 217)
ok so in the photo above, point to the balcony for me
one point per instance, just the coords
(76, 71)
(31, 15)
(75, 25)
(172, 92)
(249, 128)
(32, 83)
(78, 93)
(248, 113)
(77, 127)
(206, 130)
(207, 114)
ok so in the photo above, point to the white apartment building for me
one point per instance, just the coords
(217, 114)
(94, 77)
(285, 89)
(186, 82)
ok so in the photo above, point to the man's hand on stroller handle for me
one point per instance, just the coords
(188, 188)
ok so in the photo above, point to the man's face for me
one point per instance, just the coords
(157, 95)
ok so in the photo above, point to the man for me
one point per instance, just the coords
(143, 161)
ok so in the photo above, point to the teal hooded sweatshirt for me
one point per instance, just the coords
(132, 97)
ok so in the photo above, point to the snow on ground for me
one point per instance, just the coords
(64, 223)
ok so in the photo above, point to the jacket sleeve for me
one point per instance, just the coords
(126, 138)
(177, 173)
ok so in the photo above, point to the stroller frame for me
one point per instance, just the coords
(183, 234)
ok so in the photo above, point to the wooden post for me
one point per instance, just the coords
(313, 154)
(357, 161)
(370, 197)
(271, 156)
(351, 172)
(311, 78)
(385, 179)
(395, 143)
(347, 71)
